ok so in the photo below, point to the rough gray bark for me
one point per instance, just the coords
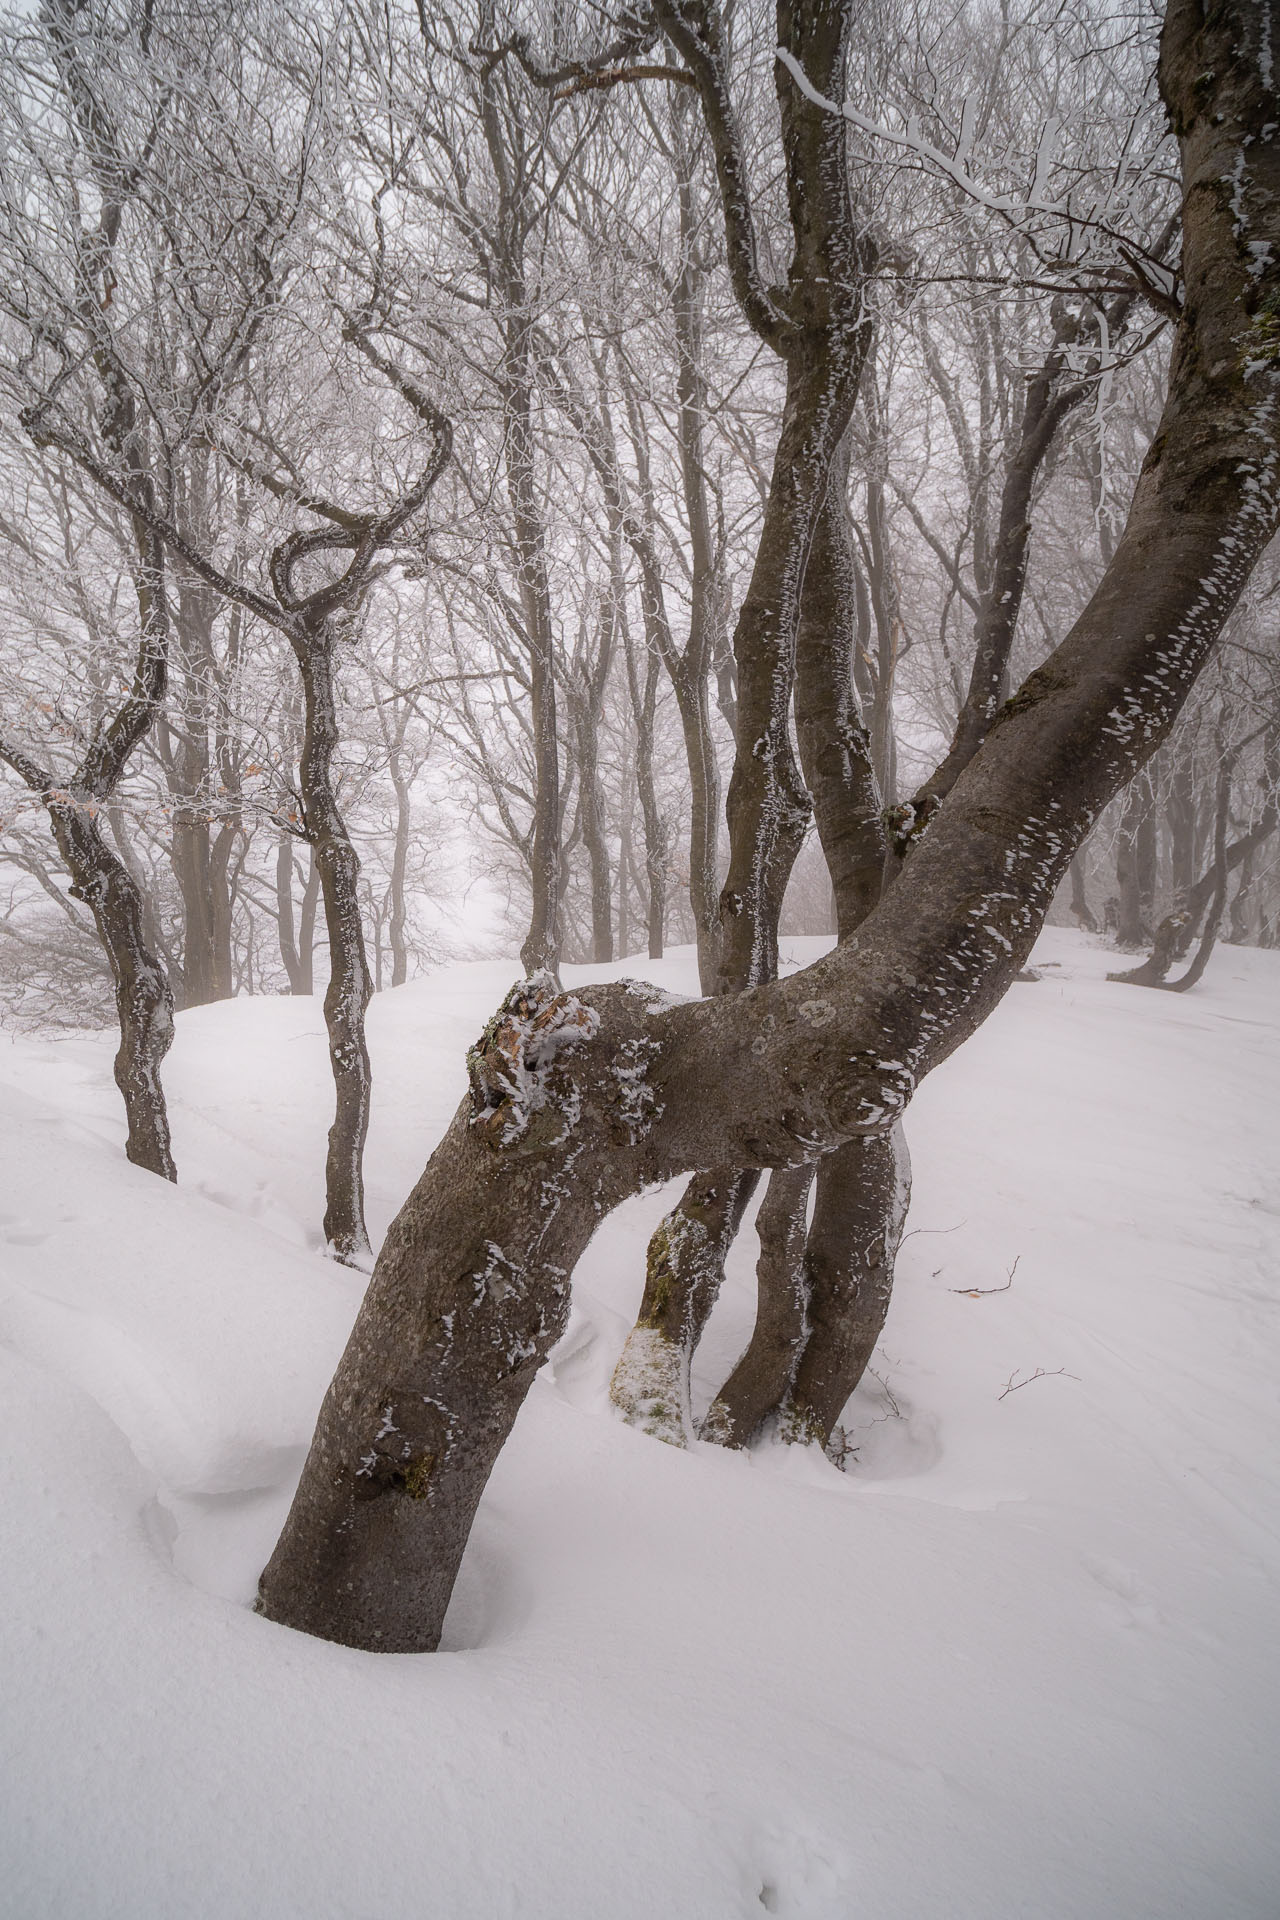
(505, 267)
(580, 1100)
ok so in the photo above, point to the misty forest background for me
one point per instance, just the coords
(242, 251)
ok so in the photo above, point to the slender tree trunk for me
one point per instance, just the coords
(144, 1002)
(824, 349)
(1240, 906)
(1178, 929)
(350, 988)
(694, 706)
(683, 1275)
(222, 906)
(819, 1320)
(1135, 868)
(307, 929)
(1080, 907)
(760, 1379)
(643, 704)
(284, 913)
(397, 919)
(190, 861)
(593, 834)
(1219, 872)
(104, 881)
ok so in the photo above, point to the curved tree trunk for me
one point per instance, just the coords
(102, 879)
(350, 987)
(144, 1003)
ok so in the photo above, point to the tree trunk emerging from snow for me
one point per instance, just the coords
(99, 877)
(350, 988)
(820, 328)
(579, 1100)
(308, 620)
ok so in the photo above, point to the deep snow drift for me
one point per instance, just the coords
(1018, 1662)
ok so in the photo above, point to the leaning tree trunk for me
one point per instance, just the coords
(102, 879)
(144, 1003)
(350, 987)
(472, 1287)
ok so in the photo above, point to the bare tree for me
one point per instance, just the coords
(579, 1099)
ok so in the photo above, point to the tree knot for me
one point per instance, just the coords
(512, 1067)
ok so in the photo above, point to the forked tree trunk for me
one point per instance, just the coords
(818, 1321)
(823, 341)
(580, 1100)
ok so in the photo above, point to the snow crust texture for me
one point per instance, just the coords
(1017, 1660)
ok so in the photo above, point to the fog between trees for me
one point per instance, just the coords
(715, 474)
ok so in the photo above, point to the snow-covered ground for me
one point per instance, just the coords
(1018, 1662)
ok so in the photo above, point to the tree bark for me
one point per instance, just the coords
(144, 1003)
(350, 988)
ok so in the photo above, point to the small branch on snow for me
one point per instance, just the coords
(978, 1293)
(916, 1230)
(1041, 1373)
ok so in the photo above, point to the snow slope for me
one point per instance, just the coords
(1018, 1661)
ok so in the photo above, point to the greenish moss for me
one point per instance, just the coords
(417, 1476)
(1262, 342)
(659, 1280)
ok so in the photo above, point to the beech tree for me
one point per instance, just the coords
(579, 1099)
